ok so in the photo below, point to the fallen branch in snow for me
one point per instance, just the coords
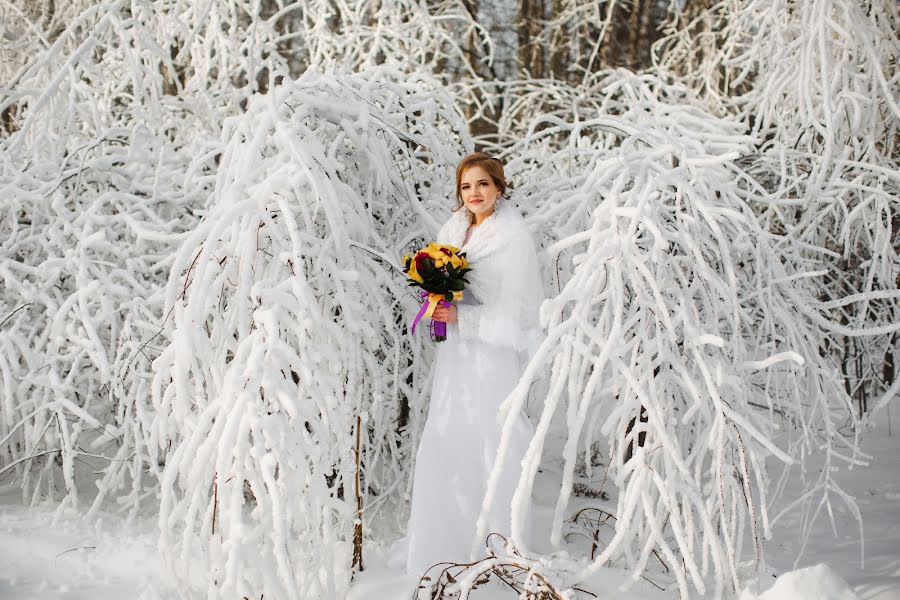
(531, 579)
(593, 524)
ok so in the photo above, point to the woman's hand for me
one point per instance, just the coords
(445, 314)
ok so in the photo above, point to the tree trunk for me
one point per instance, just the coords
(531, 51)
(560, 46)
(609, 52)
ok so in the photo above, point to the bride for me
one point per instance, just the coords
(491, 333)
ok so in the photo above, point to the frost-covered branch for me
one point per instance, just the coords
(817, 82)
(293, 323)
(675, 320)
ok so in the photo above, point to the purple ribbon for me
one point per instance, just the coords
(437, 328)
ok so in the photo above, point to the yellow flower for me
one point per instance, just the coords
(441, 254)
(437, 251)
(413, 273)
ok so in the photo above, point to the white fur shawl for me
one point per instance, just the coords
(505, 282)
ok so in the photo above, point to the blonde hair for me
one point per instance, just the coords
(490, 164)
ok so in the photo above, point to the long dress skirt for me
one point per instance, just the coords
(457, 451)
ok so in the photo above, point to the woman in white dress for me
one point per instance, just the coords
(491, 334)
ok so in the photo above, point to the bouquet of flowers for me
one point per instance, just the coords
(440, 270)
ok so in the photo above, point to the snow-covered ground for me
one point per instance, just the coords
(72, 559)
(877, 492)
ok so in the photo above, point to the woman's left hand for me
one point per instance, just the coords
(445, 314)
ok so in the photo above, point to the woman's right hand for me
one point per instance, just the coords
(447, 314)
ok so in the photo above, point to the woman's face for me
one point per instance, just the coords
(479, 192)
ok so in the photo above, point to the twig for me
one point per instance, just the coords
(357, 526)
(26, 458)
(74, 549)
(187, 282)
(10, 315)
(514, 570)
(215, 502)
(19, 424)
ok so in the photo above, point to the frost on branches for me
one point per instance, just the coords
(817, 84)
(110, 119)
(95, 198)
(674, 341)
(289, 320)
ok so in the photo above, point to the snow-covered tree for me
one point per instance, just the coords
(105, 108)
(288, 320)
(198, 284)
(674, 337)
(110, 143)
(817, 84)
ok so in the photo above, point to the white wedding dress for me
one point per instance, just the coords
(477, 367)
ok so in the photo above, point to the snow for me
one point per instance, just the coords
(194, 284)
(811, 582)
(74, 558)
(877, 489)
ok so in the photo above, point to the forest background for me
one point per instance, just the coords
(202, 316)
